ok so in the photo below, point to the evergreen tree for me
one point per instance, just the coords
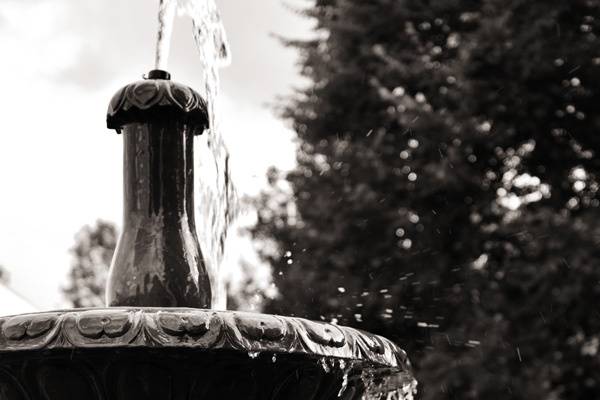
(446, 191)
(92, 255)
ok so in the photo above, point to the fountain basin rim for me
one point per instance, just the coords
(168, 328)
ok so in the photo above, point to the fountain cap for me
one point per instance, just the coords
(157, 99)
(158, 74)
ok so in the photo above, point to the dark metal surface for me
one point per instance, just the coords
(154, 100)
(110, 354)
(159, 74)
(158, 261)
(151, 374)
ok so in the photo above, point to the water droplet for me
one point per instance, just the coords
(323, 364)
(344, 384)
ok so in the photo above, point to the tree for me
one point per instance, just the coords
(92, 255)
(446, 191)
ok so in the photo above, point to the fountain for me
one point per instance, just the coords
(159, 339)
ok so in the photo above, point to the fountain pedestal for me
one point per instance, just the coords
(158, 262)
(154, 349)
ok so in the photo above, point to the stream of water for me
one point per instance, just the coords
(217, 202)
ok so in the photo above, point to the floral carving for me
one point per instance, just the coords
(138, 101)
(325, 334)
(22, 327)
(145, 94)
(261, 327)
(97, 324)
(201, 329)
(192, 324)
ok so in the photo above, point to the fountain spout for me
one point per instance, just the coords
(158, 261)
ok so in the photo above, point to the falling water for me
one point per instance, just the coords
(166, 15)
(216, 193)
(376, 386)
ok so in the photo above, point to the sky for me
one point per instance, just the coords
(61, 62)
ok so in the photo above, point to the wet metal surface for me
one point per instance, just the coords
(158, 262)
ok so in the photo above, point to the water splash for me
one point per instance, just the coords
(326, 364)
(400, 386)
(344, 384)
(217, 197)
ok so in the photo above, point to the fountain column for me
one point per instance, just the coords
(158, 261)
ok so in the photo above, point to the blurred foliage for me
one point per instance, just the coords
(446, 191)
(92, 255)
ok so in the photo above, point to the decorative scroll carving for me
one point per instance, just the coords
(261, 327)
(95, 325)
(325, 334)
(200, 329)
(190, 324)
(140, 101)
(22, 327)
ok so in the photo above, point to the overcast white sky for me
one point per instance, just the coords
(60, 63)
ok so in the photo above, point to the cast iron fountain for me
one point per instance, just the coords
(159, 339)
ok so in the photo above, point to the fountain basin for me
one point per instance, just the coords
(153, 353)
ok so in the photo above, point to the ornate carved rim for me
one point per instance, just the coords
(195, 328)
(140, 101)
